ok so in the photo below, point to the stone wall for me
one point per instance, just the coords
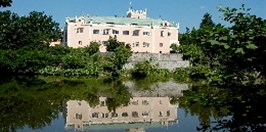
(159, 89)
(164, 61)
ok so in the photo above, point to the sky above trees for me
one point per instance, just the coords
(187, 12)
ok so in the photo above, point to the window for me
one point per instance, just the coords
(96, 31)
(160, 114)
(161, 44)
(124, 114)
(79, 116)
(106, 115)
(168, 113)
(102, 103)
(80, 30)
(126, 32)
(169, 33)
(80, 42)
(114, 114)
(137, 44)
(161, 34)
(135, 114)
(146, 44)
(146, 33)
(104, 43)
(95, 115)
(145, 113)
(145, 102)
(135, 102)
(115, 32)
(136, 33)
(105, 31)
(101, 115)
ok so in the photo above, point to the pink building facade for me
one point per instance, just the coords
(142, 33)
(144, 110)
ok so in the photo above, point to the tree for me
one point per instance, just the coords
(93, 48)
(243, 50)
(118, 58)
(236, 53)
(36, 30)
(207, 21)
(174, 48)
(112, 44)
(5, 3)
(24, 41)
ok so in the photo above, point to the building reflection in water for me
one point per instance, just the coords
(141, 113)
(147, 109)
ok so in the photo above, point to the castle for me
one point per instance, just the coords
(142, 33)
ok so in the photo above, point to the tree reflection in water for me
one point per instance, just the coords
(233, 109)
(36, 105)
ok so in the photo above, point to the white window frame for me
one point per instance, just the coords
(106, 31)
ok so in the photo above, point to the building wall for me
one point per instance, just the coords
(156, 42)
(164, 61)
(157, 109)
(151, 38)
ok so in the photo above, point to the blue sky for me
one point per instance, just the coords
(187, 12)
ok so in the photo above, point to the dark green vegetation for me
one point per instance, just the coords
(25, 51)
(231, 55)
(37, 104)
(225, 56)
(237, 109)
(23, 42)
(232, 59)
(5, 3)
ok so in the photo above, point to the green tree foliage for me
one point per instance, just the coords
(174, 48)
(207, 21)
(227, 109)
(5, 3)
(112, 44)
(35, 30)
(93, 48)
(118, 58)
(24, 42)
(244, 47)
(235, 52)
(21, 62)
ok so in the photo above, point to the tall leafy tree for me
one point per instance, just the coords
(112, 44)
(5, 3)
(93, 48)
(23, 42)
(34, 30)
(236, 53)
(207, 21)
